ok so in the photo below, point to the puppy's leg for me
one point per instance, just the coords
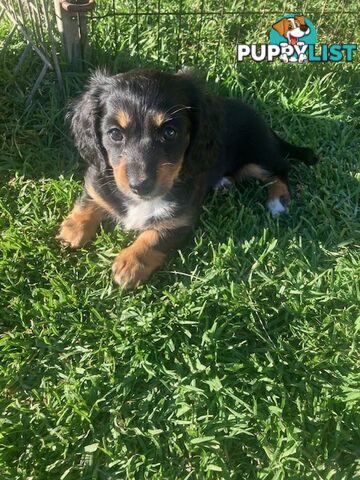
(278, 197)
(136, 263)
(223, 183)
(278, 192)
(80, 226)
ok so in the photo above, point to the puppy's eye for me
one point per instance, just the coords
(115, 134)
(169, 133)
(290, 27)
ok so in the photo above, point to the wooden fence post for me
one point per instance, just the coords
(71, 23)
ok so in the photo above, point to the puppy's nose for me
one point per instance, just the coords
(303, 28)
(141, 187)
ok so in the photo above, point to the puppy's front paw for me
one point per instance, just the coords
(73, 234)
(130, 268)
(79, 227)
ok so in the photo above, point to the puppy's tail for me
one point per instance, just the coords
(304, 154)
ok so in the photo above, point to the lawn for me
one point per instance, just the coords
(240, 358)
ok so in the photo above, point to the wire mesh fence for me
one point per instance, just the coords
(168, 33)
(32, 21)
(162, 33)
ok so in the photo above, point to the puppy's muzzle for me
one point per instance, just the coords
(141, 186)
(141, 179)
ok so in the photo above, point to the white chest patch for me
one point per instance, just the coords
(138, 214)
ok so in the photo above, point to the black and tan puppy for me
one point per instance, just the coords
(155, 144)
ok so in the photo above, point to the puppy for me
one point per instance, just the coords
(156, 144)
(293, 29)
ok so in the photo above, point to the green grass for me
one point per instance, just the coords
(240, 358)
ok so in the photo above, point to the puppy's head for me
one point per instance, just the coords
(292, 28)
(141, 125)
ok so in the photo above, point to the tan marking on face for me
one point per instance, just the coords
(136, 263)
(80, 226)
(121, 178)
(100, 201)
(167, 173)
(158, 118)
(123, 119)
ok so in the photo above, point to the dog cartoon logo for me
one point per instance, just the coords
(293, 40)
(298, 32)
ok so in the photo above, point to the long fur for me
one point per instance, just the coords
(178, 143)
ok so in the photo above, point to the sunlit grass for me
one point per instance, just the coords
(240, 358)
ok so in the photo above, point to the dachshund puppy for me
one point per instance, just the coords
(156, 144)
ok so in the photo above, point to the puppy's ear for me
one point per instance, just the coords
(281, 26)
(205, 124)
(300, 19)
(85, 116)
